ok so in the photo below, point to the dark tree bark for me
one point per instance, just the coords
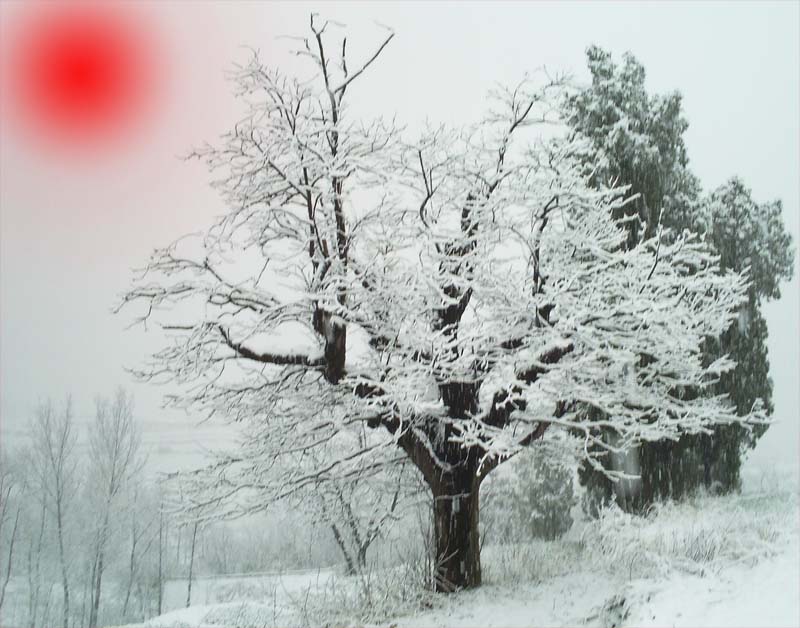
(351, 568)
(451, 470)
(456, 502)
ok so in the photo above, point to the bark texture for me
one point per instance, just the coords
(456, 509)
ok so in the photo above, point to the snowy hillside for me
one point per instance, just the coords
(713, 561)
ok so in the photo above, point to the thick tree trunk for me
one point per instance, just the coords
(458, 553)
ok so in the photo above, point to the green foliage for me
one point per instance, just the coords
(637, 140)
(750, 235)
(747, 235)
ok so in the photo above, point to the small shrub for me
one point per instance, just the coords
(532, 499)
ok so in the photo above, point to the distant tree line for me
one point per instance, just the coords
(88, 537)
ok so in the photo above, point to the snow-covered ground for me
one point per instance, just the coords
(276, 588)
(713, 561)
(764, 594)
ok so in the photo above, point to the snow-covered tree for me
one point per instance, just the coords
(114, 443)
(637, 139)
(358, 512)
(54, 467)
(748, 236)
(459, 295)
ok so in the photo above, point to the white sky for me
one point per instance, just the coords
(71, 232)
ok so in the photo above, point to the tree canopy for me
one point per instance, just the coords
(637, 139)
(446, 298)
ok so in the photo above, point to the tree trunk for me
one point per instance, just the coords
(97, 584)
(131, 564)
(351, 568)
(97, 571)
(362, 555)
(160, 557)
(10, 558)
(191, 567)
(64, 577)
(458, 552)
(34, 572)
(89, 589)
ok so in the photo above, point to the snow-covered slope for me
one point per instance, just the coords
(765, 595)
(713, 561)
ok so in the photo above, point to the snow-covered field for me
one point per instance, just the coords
(734, 595)
(713, 561)
(283, 586)
(725, 591)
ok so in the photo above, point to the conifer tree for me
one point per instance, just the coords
(637, 140)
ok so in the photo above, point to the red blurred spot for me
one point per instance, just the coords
(81, 75)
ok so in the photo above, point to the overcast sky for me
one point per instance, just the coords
(72, 230)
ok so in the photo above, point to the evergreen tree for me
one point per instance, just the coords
(638, 140)
(750, 235)
(747, 235)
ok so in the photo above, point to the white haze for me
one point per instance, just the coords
(69, 235)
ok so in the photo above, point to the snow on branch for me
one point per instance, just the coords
(446, 298)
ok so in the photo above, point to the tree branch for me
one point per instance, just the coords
(270, 358)
(340, 90)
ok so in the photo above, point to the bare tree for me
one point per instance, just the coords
(114, 445)
(459, 294)
(160, 554)
(10, 486)
(54, 464)
(34, 557)
(191, 565)
(9, 558)
(360, 512)
(143, 519)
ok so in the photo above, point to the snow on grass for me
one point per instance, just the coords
(764, 594)
(279, 588)
(709, 561)
(559, 601)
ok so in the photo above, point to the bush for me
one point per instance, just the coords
(532, 498)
